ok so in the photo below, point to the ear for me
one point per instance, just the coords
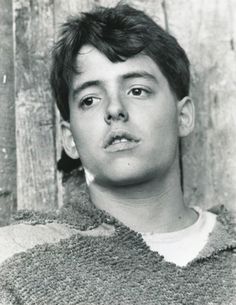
(68, 141)
(186, 116)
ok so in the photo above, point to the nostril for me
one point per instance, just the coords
(109, 117)
(121, 115)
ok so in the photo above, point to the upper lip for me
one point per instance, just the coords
(119, 134)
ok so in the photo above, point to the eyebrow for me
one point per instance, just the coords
(139, 74)
(130, 75)
(85, 85)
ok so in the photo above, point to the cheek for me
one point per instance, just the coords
(86, 136)
(158, 121)
(161, 129)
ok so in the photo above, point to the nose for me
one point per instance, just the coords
(116, 111)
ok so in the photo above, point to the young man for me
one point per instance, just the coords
(122, 85)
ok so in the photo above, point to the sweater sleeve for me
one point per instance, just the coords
(21, 237)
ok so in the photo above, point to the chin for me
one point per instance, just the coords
(125, 176)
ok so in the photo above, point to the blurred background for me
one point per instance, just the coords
(30, 143)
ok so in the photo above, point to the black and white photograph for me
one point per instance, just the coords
(117, 152)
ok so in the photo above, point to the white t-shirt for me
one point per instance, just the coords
(181, 247)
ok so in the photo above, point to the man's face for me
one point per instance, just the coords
(123, 118)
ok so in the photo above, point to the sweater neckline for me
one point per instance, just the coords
(82, 214)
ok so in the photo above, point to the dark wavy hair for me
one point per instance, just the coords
(119, 33)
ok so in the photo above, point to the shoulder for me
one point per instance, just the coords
(21, 237)
(222, 237)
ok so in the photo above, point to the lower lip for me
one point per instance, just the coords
(122, 146)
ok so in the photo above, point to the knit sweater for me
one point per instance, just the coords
(104, 262)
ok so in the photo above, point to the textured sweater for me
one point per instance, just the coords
(104, 262)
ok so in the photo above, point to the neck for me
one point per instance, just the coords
(153, 206)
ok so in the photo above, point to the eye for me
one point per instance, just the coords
(139, 92)
(89, 101)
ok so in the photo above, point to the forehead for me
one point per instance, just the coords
(91, 64)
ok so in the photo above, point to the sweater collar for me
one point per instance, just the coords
(222, 237)
(83, 215)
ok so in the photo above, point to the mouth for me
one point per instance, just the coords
(120, 140)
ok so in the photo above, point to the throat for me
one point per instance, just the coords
(157, 212)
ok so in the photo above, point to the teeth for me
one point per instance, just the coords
(122, 140)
